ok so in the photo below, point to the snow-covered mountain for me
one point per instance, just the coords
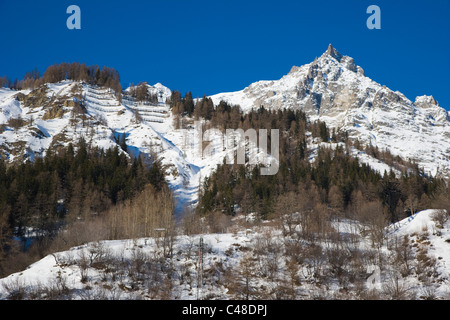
(49, 118)
(334, 89)
(56, 114)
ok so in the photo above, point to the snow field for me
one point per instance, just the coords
(150, 268)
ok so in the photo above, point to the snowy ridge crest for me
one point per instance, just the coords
(335, 90)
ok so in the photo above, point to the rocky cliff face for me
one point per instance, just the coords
(334, 89)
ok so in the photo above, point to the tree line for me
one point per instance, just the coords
(336, 179)
(93, 74)
(74, 184)
(140, 93)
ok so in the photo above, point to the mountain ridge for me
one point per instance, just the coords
(334, 89)
(336, 92)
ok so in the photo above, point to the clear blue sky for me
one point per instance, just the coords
(216, 46)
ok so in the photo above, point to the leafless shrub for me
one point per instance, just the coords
(402, 255)
(16, 123)
(96, 253)
(338, 260)
(218, 222)
(428, 291)
(294, 250)
(15, 289)
(440, 217)
(268, 252)
(425, 265)
(394, 288)
(315, 260)
(83, 264)
(139, 265)
(56, 289)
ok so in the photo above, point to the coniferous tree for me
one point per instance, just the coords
(175, 98)
(390, 194)
(156, 174)
(324, 134)
(188, 102)
(142, 92)
(123, 142)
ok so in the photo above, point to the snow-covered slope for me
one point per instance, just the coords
(50, 116)
(334, 89)
(424, 223)
(138, 269)
(49, 119)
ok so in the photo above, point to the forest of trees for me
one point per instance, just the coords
(335, 179)
(181, 107)
(105, 76)
(94, 194)
(70, 186)
(140, 93)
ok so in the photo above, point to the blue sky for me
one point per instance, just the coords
(208, 47)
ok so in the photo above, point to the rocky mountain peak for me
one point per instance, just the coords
(334, 89)
(332, 52)
(346, 61)
(426, 101)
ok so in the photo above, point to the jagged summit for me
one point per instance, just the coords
(331, 88)
(346, 61)
(331, 51)
(334, 89)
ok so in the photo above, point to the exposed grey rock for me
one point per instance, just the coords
(349, 63)
(332, 52)
(335, 89)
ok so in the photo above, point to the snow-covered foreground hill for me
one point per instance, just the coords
(258, 261)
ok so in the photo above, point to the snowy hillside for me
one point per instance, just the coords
(334, 89)
(48, 117)
(57, 114)
(343, 268)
